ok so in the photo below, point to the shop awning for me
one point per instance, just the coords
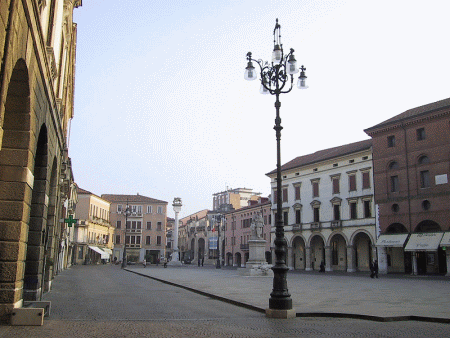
(395, 240)
(103, 255)
(446, 240)
(108, 251)
(424, 242)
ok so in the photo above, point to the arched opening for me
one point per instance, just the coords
(396, 228)
(363, 251)
(16, 183)
(397, 259)
(38, 261)
(229, 259)
(317, 252)
(191, 255)
(201, 249)
(338, 247)
(428, 226)
(298, 253)
(237, 259)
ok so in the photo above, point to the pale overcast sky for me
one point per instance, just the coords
(162, 108)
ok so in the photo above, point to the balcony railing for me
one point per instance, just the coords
(244, 246)
(336, 224)
(134, 246)
(134, 231)
(316, 226)
(297, 227)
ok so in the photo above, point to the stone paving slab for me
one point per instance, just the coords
(316, 294)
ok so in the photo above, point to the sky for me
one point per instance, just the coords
(162, 108)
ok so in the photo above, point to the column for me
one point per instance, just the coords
(350, 259)
(175, 254)
(308, 259)
(328, 259)
(382, 260)
(414, 263)
(289, 260)
(447, 256)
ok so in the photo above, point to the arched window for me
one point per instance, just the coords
(393, 165)
(424, 160)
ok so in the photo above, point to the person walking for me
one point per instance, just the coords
(375, 269)
(144, 263)
(372, 270)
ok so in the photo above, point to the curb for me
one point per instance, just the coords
(304, 314)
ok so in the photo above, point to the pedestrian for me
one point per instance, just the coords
(203, 260)
(375, 268)
(198, 263)
(372, 270)
(157, 261)
(322, 267)
(144, 263)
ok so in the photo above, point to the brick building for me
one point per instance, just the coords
(411, 154)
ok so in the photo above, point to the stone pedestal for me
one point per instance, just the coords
(256, 264)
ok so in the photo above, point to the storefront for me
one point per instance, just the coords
(427, 255)
(392, 258)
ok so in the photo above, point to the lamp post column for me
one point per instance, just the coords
(175, 254)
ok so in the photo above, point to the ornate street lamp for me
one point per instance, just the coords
(277, 77)
(126, 212)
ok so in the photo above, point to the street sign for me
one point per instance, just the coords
(70, 221)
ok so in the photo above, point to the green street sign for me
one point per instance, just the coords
(70, 221)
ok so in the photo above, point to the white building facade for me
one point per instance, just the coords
(328, 209)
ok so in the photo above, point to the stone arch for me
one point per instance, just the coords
(363, 249)
(396, 228)
(238, 259)
(229, 259)
(37, 259)
(428, 226)
(298, 253)
(317, 249)
(16, 181)
(337, 243)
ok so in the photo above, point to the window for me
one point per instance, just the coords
(394, 183)
(297, 192)
(315, 188)
(316, 212)
(395, 207)
(128, 224)
(425, 179)
(149, 225)
(353, 210)
(158, 225)
(424, 160)
(158, 240)
(285, 195)
(366, 180)
(337, 212)
(160, 210)
(149, 209)
(393, 165)
(352, 182)
(285, 218)
(391, 141)
(298, 219)
(426, 205)
(117, 239)
(127, 239)
(118, 224)
(119, 207)
(367, 209)
(336, 188)
(138, 239)
(420, 134)
(138, 224)
(275, 196)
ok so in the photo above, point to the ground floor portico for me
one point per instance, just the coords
(350, 249)
(137, 255)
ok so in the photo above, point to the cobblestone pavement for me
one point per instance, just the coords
(106, 301)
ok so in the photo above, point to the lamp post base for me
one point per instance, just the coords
(281, 314)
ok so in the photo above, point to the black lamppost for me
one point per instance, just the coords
(126, 212)
(274, 79)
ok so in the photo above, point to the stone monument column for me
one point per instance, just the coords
(175, 254)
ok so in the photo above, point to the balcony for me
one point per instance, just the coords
(133, 246)
(297, 227)
(136, 214)
(134, 231)
(316, 226)
(244, 247)
(336, 224)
